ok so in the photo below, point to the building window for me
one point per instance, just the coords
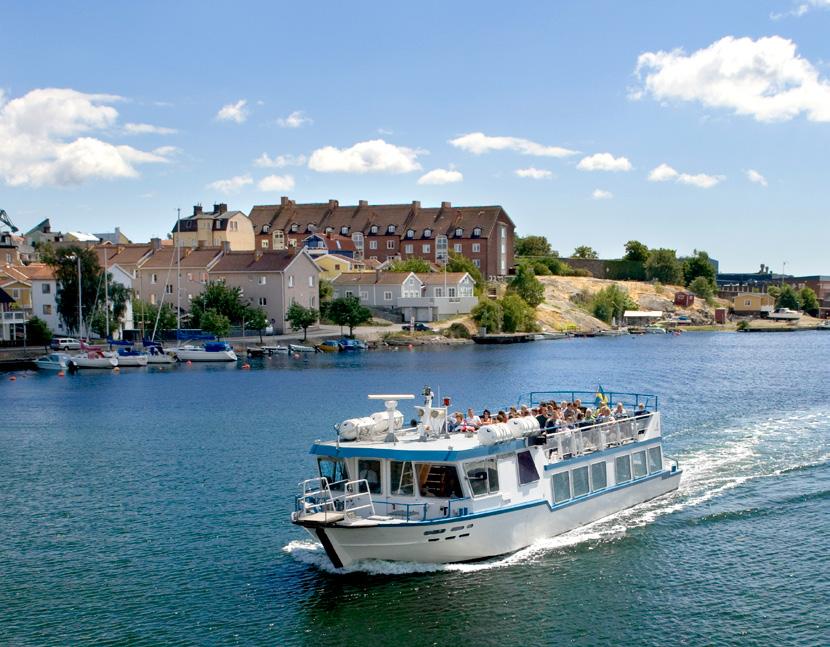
(344, 230)
(408, 249)
(337, 266)
(373, 244)
(262, 280)
(451, 293)
(47, 309)
(387, 295)
(748, 302)
(477, 232)
(439, 292)
(364, 295)
(426, 248)
(390, 229)
(427, 232)
(190, 276)
(294, 227)
(168, 289)
(527, 468)
(477, 262)
(357, 239)
(410, 233)
(390, 244)
(263, 301)
(153, 299)
(459, 232)
(233, 225)
(483, 477)
(373, 229)
(441, 247)
(264, 243)
(457, 248)
(476, 248)
(46, 288)
(204, 277)
(311, 281)
(290, 280)
(154, 278)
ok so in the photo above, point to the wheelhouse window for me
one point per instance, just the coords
(440, 481)
(402, 478)
(332, 469)
(638, 464)
(580, 481)
(599, 476)
(527, 468)
(622, 468)
(369, 469)
(561, 487)
(655, 460)
(483, 477)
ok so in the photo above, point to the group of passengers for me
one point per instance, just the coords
(552, 416)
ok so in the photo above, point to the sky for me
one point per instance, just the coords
(688, 125)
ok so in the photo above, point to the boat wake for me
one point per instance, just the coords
(724, 459)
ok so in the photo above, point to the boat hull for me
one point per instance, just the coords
(132, 360)
(206, 356)
(161, 359)
(483, 535)
(95, 362)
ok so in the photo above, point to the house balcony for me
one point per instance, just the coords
(14, 316)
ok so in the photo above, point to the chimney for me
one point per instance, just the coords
(226, 246)
(446, 205)
(362, 203)
(257, 254)
(117, 234)
(220, 208)
(156, 243)
(284, 200)
(333, 204)
(416, 204)
(197, 210)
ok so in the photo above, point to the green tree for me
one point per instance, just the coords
(583, 251)
(773, 291)
(65, 265)
(636, 251)
(809, 301)
(98, 324)
(532, 246)
(347, 311)
(215, 322)
(301, 317)
(662, 264)
(488, 314)
(37, 332)
(787, 298)
(256, 319)
(702, 287)
(611, 303)
(224, 300)
(698, 265)
(460, 263)
(527, 286)
(146, 315)
(413, 264)
(517, 315)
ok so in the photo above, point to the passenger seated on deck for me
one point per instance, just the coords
(619, 411)
(485, 417)
(542, 416)
(472, 420)
(513, 413)
(455, 422)
(589, 414)
(501, 416)
(604, 413)
(641, 410)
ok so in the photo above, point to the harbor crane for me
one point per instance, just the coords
(6, 220)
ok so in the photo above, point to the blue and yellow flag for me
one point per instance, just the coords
(600, 399)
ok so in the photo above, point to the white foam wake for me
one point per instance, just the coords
(759, 448)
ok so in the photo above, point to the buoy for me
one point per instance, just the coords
(115, 369)
(189, 362)
(296, 356)
(409, 346)
(61, 373)
(12, 379)
(246, 366)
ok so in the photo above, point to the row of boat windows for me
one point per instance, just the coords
(580, 481)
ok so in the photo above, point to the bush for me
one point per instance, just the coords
(457, 331)
(527, 286)
(488, 314)
(610, 303)
(517, 316)
(743, 325)
(580, 272)
(702, 287)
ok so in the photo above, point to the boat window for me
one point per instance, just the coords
(402, 479)
(561, 487)
(439, 481)
(483, 477)
(333, 469)
(580, 480)
(622, 469)
(599, 476)
(655, 461)
(638, 464)
(527, 468)
(369, 469)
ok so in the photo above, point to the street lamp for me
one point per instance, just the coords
(77, 257)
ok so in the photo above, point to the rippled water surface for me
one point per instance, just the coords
(151, 507)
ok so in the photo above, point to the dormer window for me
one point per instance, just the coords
(310, 228)
(410, 233)
(373, 229)
(344, 230)
(459, 232)
(390, 229)
(294, 227)
(427, 232)
(266, 229)
(477, 232)
(329, 230)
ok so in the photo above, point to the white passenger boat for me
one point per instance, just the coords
(211, 351)
(93, 359)
(53, 362)
(423, 495)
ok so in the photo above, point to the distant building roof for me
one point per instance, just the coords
(39, 272)
(437, 278)
(81, 236)
(256, 261)
(197, 259)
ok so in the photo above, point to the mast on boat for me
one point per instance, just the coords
(106, 293)
(178, 271)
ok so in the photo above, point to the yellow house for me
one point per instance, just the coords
(17, 285)
(213, 229)
(748, 303)
(332, 265)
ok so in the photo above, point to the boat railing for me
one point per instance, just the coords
(576, 441)
(426, 510)
(629, 400)
(339, 498)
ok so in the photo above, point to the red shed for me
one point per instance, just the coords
(683, 298)
(720, 315)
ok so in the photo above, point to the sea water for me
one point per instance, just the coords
(151, 506)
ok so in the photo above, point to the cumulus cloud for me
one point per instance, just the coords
(296, 119)
(372, 156)
(754, 176)
(441, 176)
(763, 78)
(533, 173)
(665, 173)
(237, 112)
(601, 194)
(604, 162)
(276, 183)
(479, 143)
(280, 161)
(231, 185)
(802, 8)
(46, 139)
(148, 129)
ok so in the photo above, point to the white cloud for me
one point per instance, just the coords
(148, 129)
(763, 78)
(231, 185)
(280, 161)
(46, 139)
(296, 119)
(604, 162)
(802, 8)
(479, 143)
(441, 176)
(237, 112)
(754, 176)
(276, 183)
(373, 156)
(602, 194)
(533, 173)
(385, 131)
(664, 173)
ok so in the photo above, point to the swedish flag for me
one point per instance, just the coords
(600, 399)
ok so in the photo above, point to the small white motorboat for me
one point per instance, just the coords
(271, 350)
(129, 357)
(93, 359)
(654, 329)
(299, 348)
(53, 362)
(212, 351)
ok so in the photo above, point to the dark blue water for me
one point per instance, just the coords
(151, 507)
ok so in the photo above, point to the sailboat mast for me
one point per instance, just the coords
(178, 272)
(106, 292)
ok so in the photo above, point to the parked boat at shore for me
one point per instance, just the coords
(211, 351)
(299, 348)
(158, 357)
(275, 350)
(329, 346)
(420, 494)
(127, 357)
(53, 362)
(504, 338)
(654, 329)
(93, 359)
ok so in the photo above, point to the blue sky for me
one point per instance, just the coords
(689, 125)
